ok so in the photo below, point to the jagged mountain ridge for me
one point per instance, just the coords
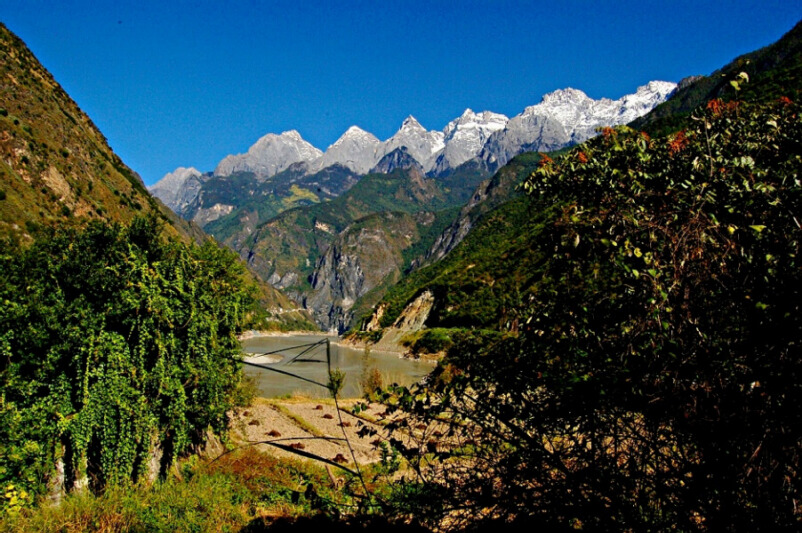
(567, 117)
(269, 155)
(563, 117)
(295, 253)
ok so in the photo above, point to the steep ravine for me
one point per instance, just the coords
(363, 262)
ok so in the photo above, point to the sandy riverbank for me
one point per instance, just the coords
(250, 334)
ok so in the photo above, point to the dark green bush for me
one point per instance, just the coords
(655, 383)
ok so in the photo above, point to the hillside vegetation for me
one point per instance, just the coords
(57, 169)
(482, 281)
(113, 343)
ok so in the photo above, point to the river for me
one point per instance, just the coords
(305, 356)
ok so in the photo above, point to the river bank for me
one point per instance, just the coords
(298, 365)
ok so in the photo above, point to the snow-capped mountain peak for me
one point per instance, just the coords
(411, 123)
(569, 116)
(270, 155)
(177, 188)
(465, 136)
(355, 149)
(563, 117)
(421, 144)
(354, 134)
(569, 95)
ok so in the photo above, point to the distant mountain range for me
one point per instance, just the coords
(336, 229)
(563, 117)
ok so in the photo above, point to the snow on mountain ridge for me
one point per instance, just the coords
(563, 117)
(421, 144)
(355, 149)
(466, 135)
(269, 155)
(568, 116)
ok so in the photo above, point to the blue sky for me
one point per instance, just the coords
(185, 83)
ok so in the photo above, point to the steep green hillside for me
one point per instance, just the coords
(483, 281)
(773, 71)
(478, 283)
(291, 243)
(255, 201)
(55, 166)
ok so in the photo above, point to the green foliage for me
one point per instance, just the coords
(229, 494)
(655, 382)
(113, 341)
(428, 341)
(336, 382)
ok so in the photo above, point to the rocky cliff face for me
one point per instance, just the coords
(333, 255)
(400, 158)
(355, 149)
(465, 137)
(364, 257)
(421, 144)
(179, 188)
(412, 318)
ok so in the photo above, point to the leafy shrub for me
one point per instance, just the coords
(371, 380)
(113, 341)
(336, 382)
(431, 341)
(655, 381)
